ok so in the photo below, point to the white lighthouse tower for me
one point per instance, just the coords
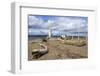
(50, 30)
(49, 33)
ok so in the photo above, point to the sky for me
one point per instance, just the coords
(40, 24)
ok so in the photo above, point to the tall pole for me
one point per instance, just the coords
(78, 33)
(86, 37)
(72, 37)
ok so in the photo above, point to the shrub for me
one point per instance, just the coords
(44, 40)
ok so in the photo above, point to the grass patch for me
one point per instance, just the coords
(76, 42)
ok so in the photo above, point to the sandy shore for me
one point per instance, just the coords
(58, 50)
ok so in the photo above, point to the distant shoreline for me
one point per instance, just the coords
(43, 37)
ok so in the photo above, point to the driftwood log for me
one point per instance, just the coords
(37, 53)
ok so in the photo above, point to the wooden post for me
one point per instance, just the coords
(72, 37)
(78, 37)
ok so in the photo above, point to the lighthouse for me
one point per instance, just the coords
(49, 33)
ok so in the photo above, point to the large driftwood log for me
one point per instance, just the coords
(37, 53)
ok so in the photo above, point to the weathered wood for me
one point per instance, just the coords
(37, 53)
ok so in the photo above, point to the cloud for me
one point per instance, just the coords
(35, 22)
(64, 23)
(58, 23)
(37, 25)
(37, 32)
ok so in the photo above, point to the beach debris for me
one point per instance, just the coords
(62, 38)
(37, 53)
